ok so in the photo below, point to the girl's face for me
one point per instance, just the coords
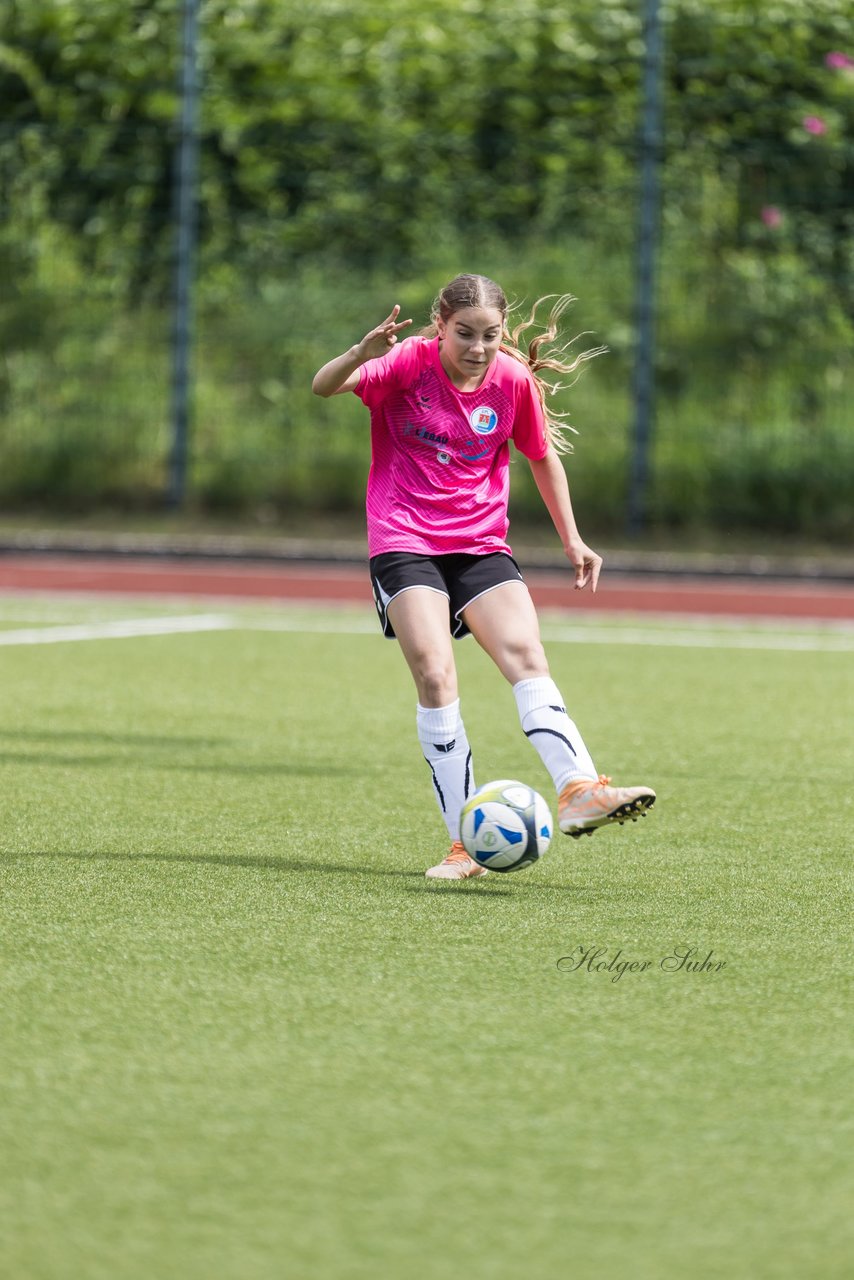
(469, 340)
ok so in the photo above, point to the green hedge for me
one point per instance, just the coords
(745, 439)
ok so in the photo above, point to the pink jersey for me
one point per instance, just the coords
(440, 481)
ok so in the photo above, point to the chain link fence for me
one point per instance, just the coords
(752, 291)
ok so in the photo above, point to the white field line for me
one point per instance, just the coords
(366, 626)
(830, 641)
(833, 642)
(122, 630)
(825, 642)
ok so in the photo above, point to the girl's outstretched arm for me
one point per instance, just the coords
(550, 479)
(342, 373)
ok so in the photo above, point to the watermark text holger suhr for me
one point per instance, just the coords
(614, 964)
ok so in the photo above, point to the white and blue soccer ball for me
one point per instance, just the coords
(505, 825)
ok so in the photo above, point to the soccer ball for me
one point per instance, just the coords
(505, 825)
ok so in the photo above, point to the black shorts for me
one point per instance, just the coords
(460, 578)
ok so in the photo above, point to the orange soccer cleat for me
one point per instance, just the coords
(585, 805)
(457, 866)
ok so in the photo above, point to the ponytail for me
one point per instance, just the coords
(542, 354)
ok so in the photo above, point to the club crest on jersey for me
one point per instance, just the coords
(483, 420)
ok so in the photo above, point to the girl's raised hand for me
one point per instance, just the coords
(382, 339)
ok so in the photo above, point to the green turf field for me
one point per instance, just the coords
(241, 1036)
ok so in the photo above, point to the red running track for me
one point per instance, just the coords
(288, 581)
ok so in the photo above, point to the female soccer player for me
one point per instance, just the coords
(444, 406)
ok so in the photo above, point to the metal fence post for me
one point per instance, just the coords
(643, 381)
(185, 204)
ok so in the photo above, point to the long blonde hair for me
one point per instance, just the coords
(541, 354)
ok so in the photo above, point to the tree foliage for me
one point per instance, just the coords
(373, 129)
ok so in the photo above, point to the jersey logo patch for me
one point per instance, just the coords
(483, 420)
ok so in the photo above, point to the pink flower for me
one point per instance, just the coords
(771, 216)
(838, 61)
(814, 125)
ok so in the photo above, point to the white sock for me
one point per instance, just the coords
(446, 750)
(556, 738)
